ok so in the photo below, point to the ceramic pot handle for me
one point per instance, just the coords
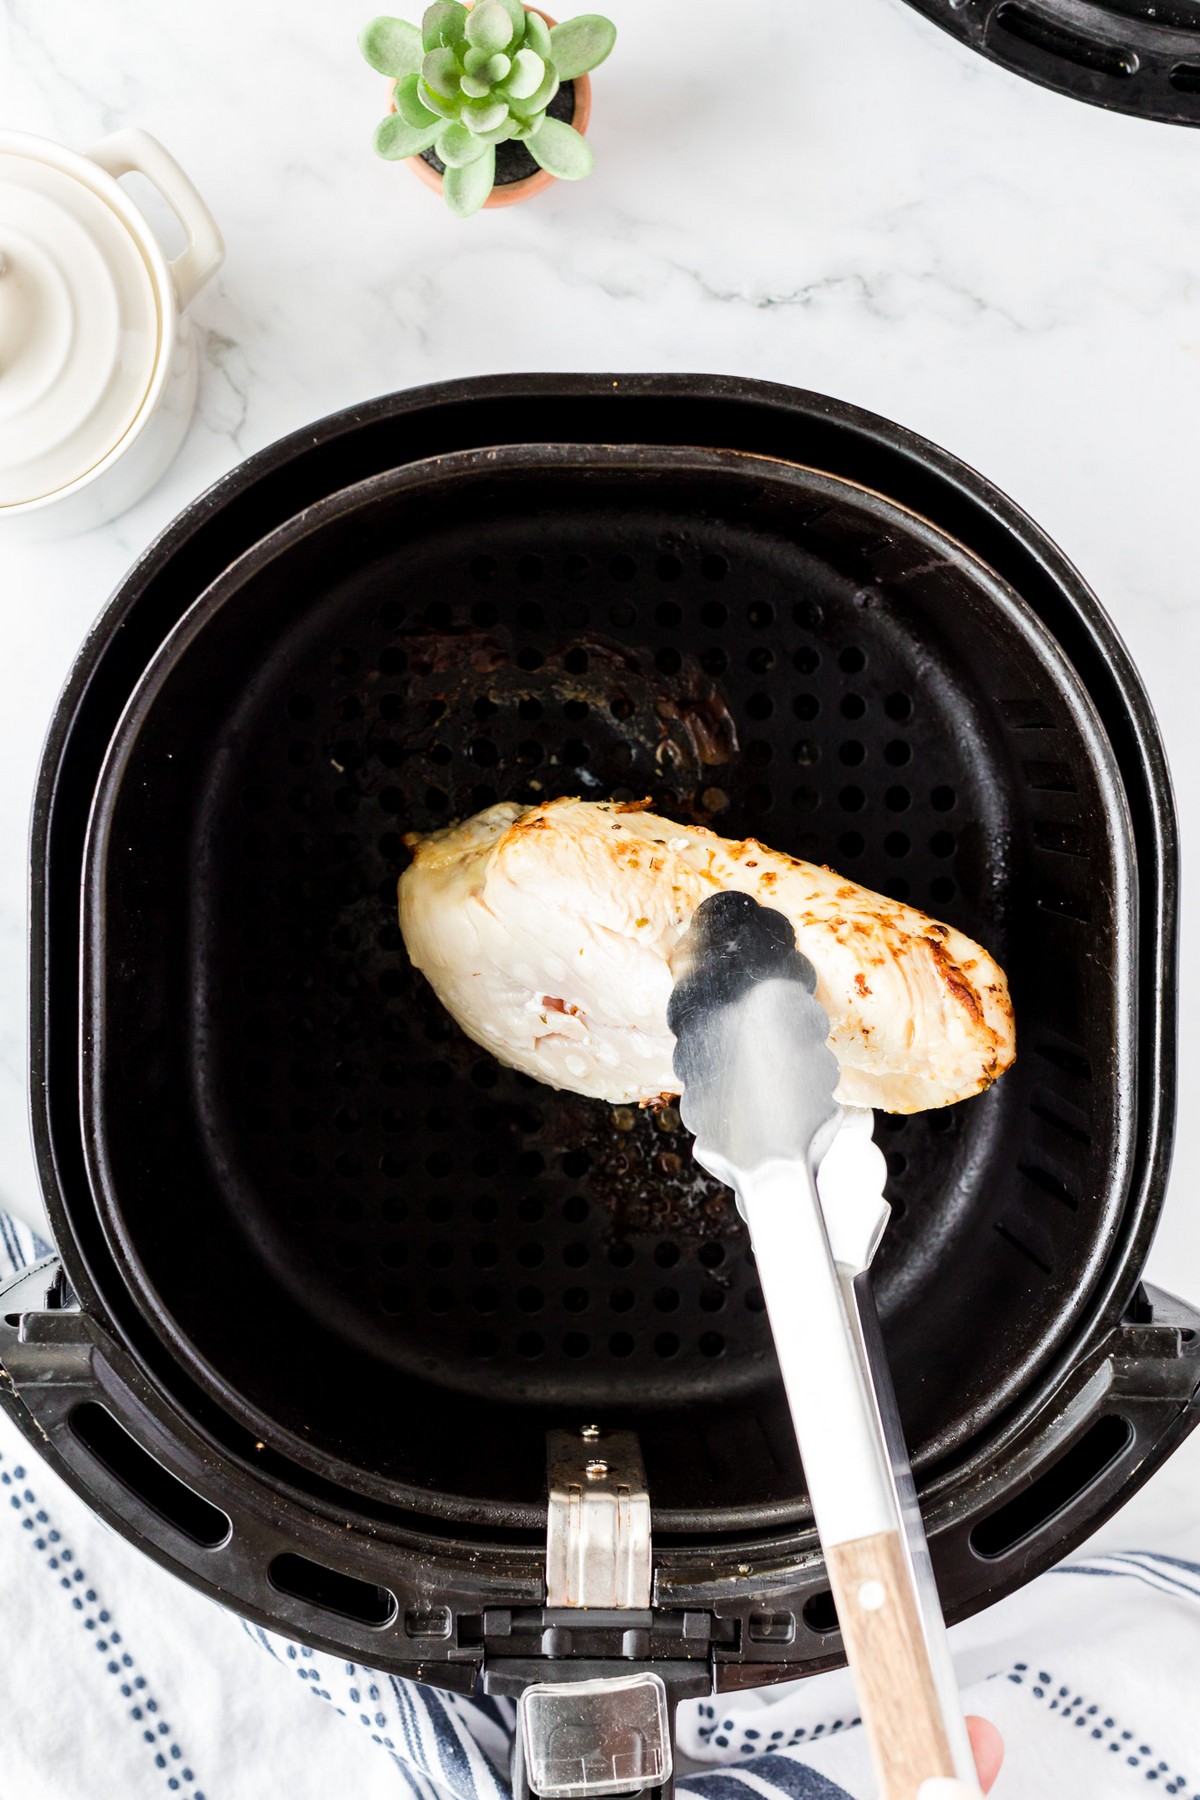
(135, 152)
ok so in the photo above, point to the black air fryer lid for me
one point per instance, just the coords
(1132, 56)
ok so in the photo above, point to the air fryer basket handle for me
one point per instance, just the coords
(225, 1521)
(595, 1728)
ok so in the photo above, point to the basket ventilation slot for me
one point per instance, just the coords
(332, 1591)
(1085, 53)
(820, 1614)
(147, 1479)
(1059, 1487)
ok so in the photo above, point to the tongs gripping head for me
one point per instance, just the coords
(751, 1040)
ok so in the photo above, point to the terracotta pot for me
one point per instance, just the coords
(512, 191)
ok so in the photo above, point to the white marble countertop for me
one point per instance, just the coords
(849, 202)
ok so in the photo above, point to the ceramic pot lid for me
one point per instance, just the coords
(79, 328)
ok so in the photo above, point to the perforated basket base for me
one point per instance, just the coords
(475, 1225)
(405, 1262)
(1132, 56)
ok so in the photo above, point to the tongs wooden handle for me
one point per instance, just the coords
(911, 1714)
(886, 1649)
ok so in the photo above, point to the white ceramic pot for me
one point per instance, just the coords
(97, 354)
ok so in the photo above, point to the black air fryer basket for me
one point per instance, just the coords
(329, 1275)
(1131, 56)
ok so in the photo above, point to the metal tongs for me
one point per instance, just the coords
(759, 1080)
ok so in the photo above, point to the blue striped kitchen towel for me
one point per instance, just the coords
(120, 1683)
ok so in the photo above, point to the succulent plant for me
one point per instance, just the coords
(472, 78)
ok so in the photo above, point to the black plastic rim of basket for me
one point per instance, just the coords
(720, 410)
(1128, 56)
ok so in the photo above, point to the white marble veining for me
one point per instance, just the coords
(843, 199)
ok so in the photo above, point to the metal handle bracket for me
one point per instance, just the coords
(597, 1521)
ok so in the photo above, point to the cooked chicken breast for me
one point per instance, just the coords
(548, 931)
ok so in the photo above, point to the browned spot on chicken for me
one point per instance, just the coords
(864, 992)
(530, 822)
(952, 975)
(633, 806)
